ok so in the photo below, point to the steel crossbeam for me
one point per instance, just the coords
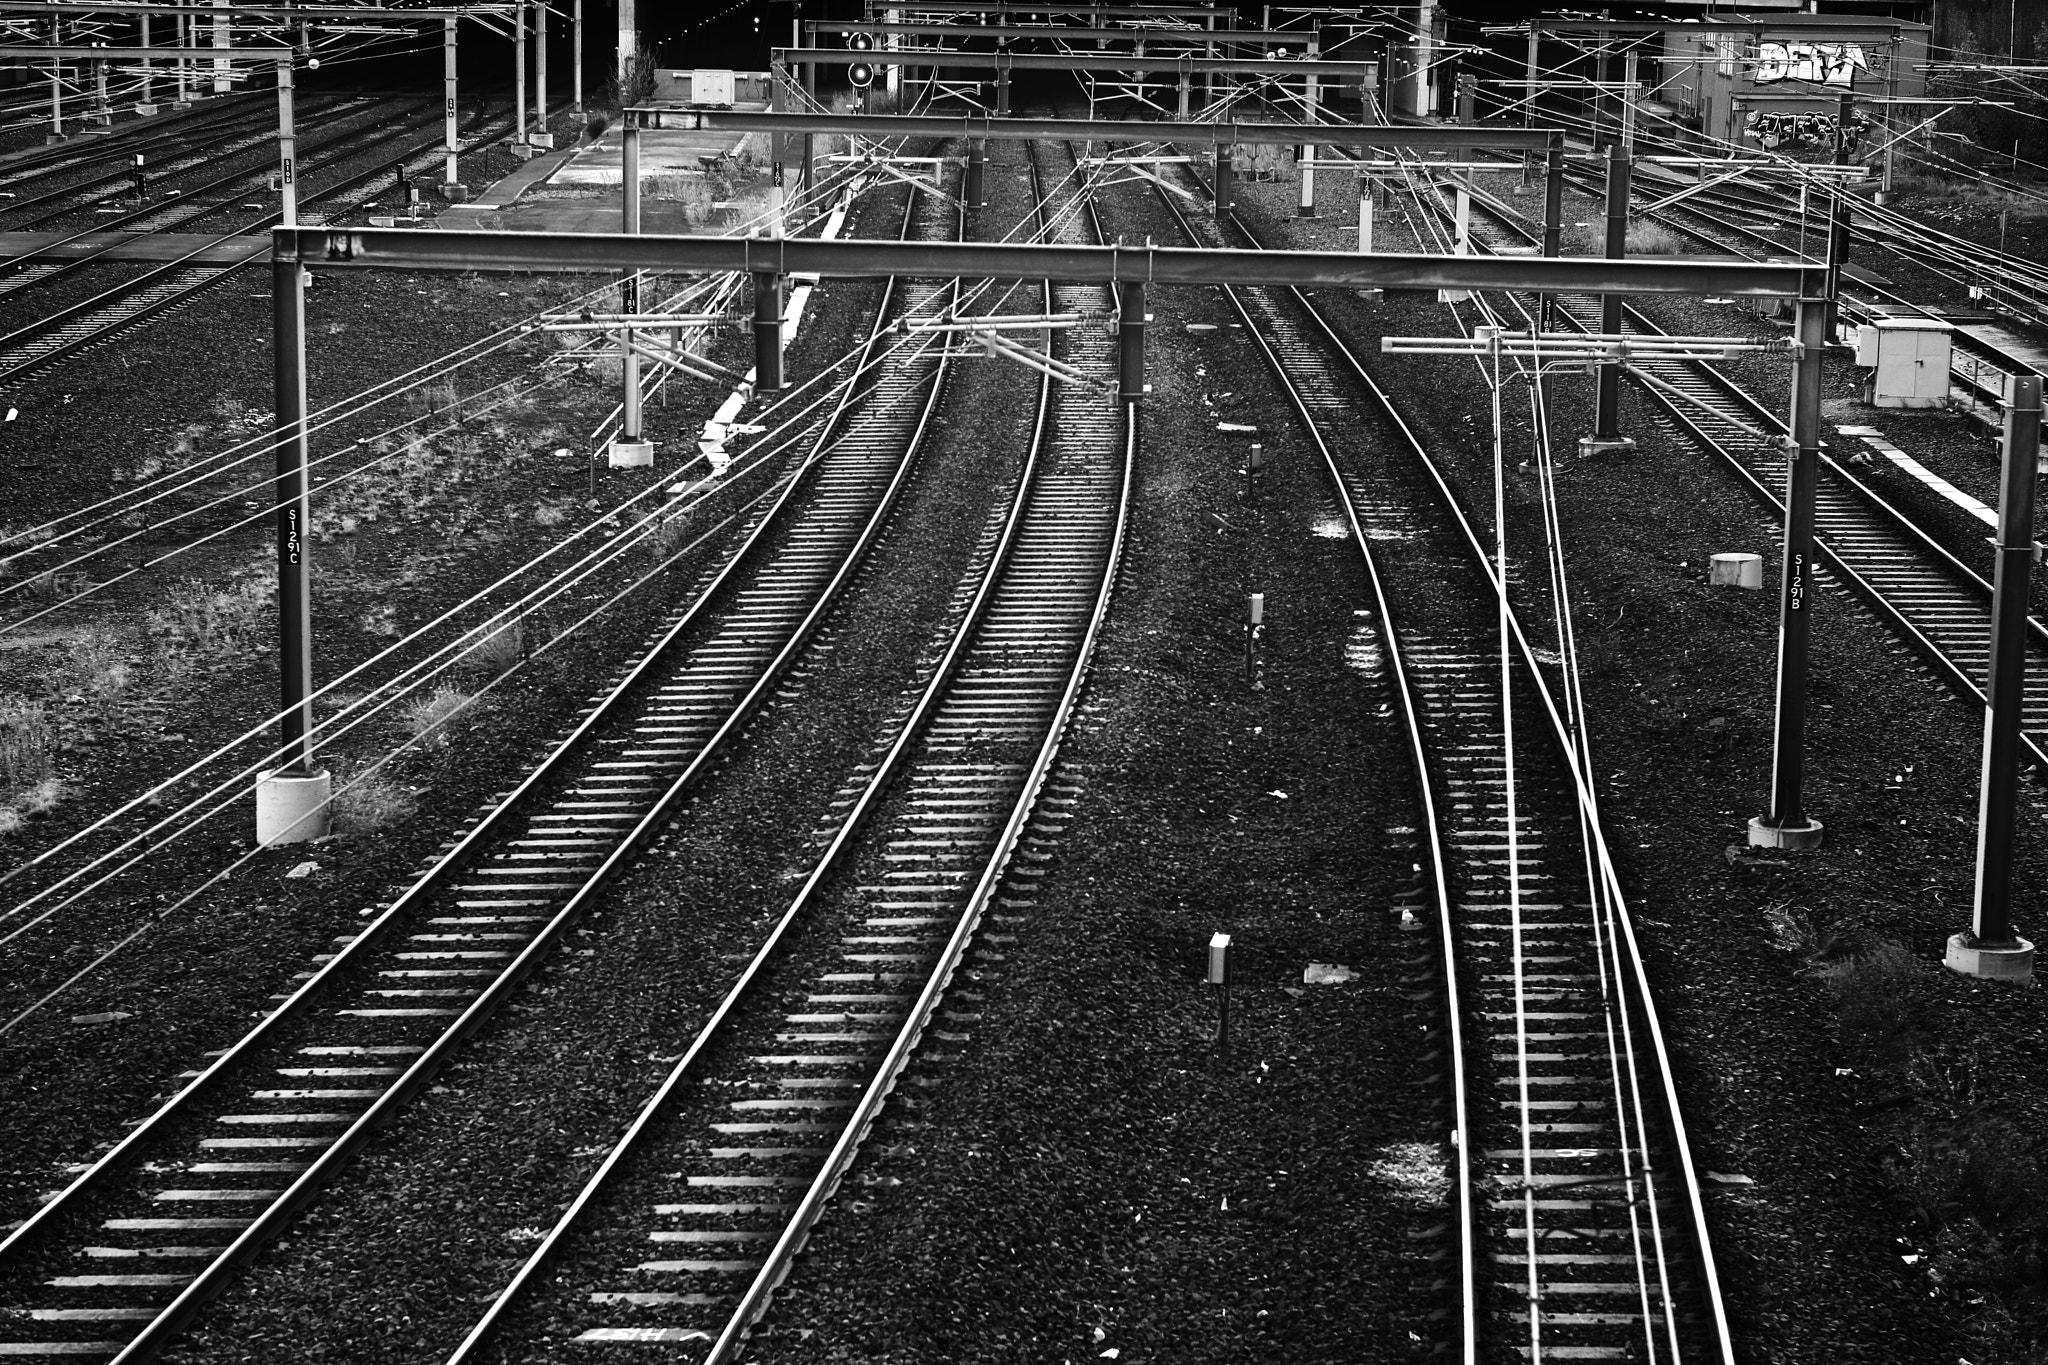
(561, 252)
(1253, 37)
(1085, 61)
(973, 126)
(998, 7)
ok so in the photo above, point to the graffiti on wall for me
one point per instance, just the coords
(1825, 63)
(1803, 132)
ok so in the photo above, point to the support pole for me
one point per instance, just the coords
(147, 104)
(1364, 214)
(1991, 948)
(56, 85)
(102, 112)
(1002, 87)
(544, 135)
(223, 39)
(449, 180)
(184, 62)
(292, 798)
(1307, 207)
(1529, 98)
(287, 144)
(767, 331)
(1607, 435)
(1787, 824)
(629, 44)
(1130, 335)
(629, 423)
(576, 57)
(977, 172)
(1553, 226)
(519, 135)
(1225, 153)
(294, 568)
(1838, 225)
(1628, 98)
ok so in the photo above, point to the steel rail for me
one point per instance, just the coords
(30, 335)
(1561, 734)
(780, 1259)
(1746, 408)
(176, 143)
(259, 140)
(157, 1334)
(185, 210)
(1430, 826)
(541, 1258)
(33, 162)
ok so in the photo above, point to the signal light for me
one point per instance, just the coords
(862, 74)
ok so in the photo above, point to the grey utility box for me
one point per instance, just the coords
(1908, 359)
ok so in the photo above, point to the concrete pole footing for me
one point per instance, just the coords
(1593, 447)
(2014, 964)
(292, 806)
(630, 454)
(1763, 834)
(456, 193)
(1737, 569)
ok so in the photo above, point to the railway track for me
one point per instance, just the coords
(693, 1220)
(204, 134)
(66, 331)
(1939, 605)
(1578, 1229)
(120, 1260)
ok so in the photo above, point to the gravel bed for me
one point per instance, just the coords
(486, 1166)
(202, 973)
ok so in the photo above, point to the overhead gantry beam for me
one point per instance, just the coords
(563, 252)
(998, 7)
(1296, 38)
(972, 126)
(25, 9)
(1080, 61)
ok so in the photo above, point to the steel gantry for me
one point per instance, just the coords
(769, 260)
(977, 129)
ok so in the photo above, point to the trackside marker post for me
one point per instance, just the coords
(1990, 948)
(1219, 975)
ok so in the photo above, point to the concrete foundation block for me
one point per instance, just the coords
(1966, 958)
(145, 110)
(1737, 571)
(1763, 834)
(457, 193)
(292, 806)
(544, 141)
(630, 454)
(521, 151)
(1593, 447)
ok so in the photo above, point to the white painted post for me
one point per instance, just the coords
(287, 143)
(223, 37)
(629, 40)
(519, 71)
(576, 56)
(448, 146)
(542, 134)
(1364, 213)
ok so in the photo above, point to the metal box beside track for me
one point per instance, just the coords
(1909, 361)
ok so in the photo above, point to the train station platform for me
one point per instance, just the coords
(579, 189)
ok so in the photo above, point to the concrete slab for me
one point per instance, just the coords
(662, 152)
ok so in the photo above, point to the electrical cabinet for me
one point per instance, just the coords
(710, 87)
(1908, 359)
